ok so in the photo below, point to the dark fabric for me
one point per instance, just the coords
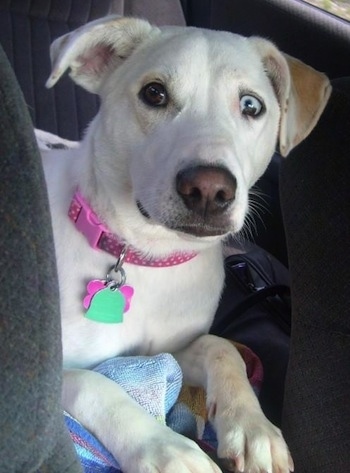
(259, 327)
(27, 28)
(316, 207)
(159, 12)
(32, 434)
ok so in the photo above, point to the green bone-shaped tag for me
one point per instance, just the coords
(107, 306)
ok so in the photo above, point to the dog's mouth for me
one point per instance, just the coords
(194, 227)
(142, 210)
(201, 229)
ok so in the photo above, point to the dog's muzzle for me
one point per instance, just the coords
(207, 193)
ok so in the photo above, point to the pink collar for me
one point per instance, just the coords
(99, 237)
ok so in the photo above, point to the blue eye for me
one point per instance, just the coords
(251, 106)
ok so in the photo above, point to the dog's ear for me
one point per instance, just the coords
(91, 50)
(302, 93)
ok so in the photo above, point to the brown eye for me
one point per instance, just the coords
(155, 95)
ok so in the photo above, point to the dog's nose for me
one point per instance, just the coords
(206, 190)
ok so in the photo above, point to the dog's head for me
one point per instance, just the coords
(189, 118)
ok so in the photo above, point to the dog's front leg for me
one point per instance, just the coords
(246, 439)
(138, 441)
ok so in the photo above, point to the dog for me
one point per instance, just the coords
(189, 119)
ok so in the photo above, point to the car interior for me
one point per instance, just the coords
(307, 392)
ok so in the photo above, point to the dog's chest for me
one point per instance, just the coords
(169, 307)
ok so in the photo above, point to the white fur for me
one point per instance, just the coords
(133, 152)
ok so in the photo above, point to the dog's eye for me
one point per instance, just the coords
(155, 95)
(251, 106)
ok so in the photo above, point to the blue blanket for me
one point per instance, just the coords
(155, 383)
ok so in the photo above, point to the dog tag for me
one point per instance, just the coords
(105, 303)
(107, 306)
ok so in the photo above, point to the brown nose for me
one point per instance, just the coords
(206, 190)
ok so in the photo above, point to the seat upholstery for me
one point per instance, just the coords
(32, 433)
(315, 202)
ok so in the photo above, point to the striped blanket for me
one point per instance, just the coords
(156, 384)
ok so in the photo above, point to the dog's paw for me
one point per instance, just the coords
(169, 453)
(250, 443)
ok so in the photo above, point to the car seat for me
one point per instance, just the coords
(314, 187)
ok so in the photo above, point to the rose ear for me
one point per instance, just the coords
(307, 98)
(91, 50)
(302, 93)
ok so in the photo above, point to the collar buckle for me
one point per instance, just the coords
(86, 221)
(100, 238)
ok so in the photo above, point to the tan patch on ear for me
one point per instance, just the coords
(310, 86)
(309, 94)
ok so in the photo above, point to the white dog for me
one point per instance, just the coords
(189, 120)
